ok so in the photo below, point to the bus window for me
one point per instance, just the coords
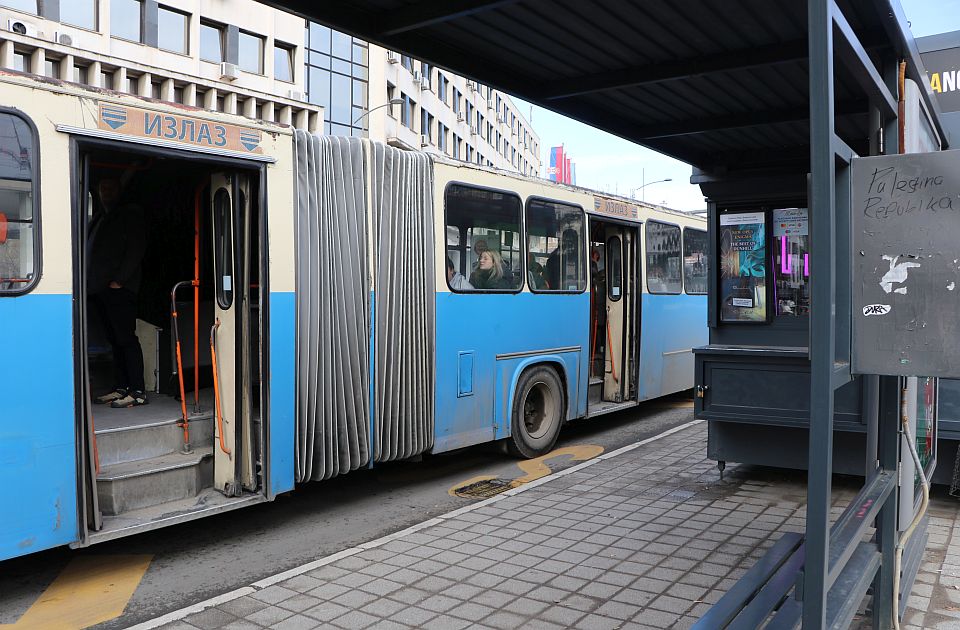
(695, 261)
(19, 239)
(223, 247)
(663, 258)
(614, 268)
(555, 246)
(490, 223)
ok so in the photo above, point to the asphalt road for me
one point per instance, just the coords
(198, 560)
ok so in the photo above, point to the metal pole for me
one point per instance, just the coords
(822, 340)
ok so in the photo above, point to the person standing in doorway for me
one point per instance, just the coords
(117, 242)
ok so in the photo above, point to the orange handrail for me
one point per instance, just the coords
(185, 421)
(216, 385)
(613, 365)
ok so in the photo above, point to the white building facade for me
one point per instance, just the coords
(233, 56)
(242, 57)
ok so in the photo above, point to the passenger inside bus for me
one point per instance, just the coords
(490, 273)
(455, 279)
(116, 246)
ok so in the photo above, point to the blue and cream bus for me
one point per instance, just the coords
(308, 306)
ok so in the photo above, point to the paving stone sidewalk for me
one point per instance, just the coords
(648, 538)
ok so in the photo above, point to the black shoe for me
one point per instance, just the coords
(116, 394)
(132, 399)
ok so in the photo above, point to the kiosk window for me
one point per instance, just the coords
(743, 267)
(223, 256)
(663, 258)
(555, 246)
(791, 254)
(489, 252)
(695, 261)
(19, 238)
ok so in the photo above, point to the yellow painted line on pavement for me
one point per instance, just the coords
(537, 467)
(90, 590)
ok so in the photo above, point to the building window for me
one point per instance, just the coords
(337, 79)
(486, 247)
(409, 107)
(82, 13)
(21, 61)
(51, 68)
(251, 52)
(555, 238)
(211, 42)
(791, 255)
(425, 71)
(19, 233)
(27, 6)
(442, 87)
(442, 137)
(663, 258)
(283, 62)
(172, 31)
(456, 101)
(125, 19)
(407, 62)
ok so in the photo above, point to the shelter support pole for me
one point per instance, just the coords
(888, 438)
(822, 332)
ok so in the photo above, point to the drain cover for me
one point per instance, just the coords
(483, 489)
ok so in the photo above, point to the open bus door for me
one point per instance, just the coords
(233, 469)
(618, 359)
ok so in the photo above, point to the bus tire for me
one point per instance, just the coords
(538, 413)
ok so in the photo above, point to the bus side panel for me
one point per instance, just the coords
(38, 479)
(672, 325)
(472, 329)
(282, 390)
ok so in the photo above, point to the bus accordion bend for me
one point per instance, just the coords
(305, 306)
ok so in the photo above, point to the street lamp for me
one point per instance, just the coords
(392, 101)
(643, 178)
(633, 191)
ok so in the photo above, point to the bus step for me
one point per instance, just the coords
(595, 391)
(144, 482)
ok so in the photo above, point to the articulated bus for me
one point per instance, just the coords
(307, 306)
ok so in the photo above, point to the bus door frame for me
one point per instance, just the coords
(89, 517)
(629, 390)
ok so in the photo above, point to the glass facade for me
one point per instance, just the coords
(125, 16)
(337, 68)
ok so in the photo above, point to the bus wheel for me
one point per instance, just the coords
(538, 411)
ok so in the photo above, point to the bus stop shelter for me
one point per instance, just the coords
(769, 100)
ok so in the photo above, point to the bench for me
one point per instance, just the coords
(761, 590)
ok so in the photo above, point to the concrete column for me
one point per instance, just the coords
(316, 120)
(120, 79)
(302, 120)
(166, 90)
(93, 74)
(6, 54)
(230, 103)
(37, 61)
(250, 107)
(210, 99)
(67, 72)
(285, 117)
(144, 86)
(190, 95)
(267, 111)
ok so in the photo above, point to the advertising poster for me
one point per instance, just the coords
(743, 271)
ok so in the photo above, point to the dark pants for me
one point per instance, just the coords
(118, 313)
